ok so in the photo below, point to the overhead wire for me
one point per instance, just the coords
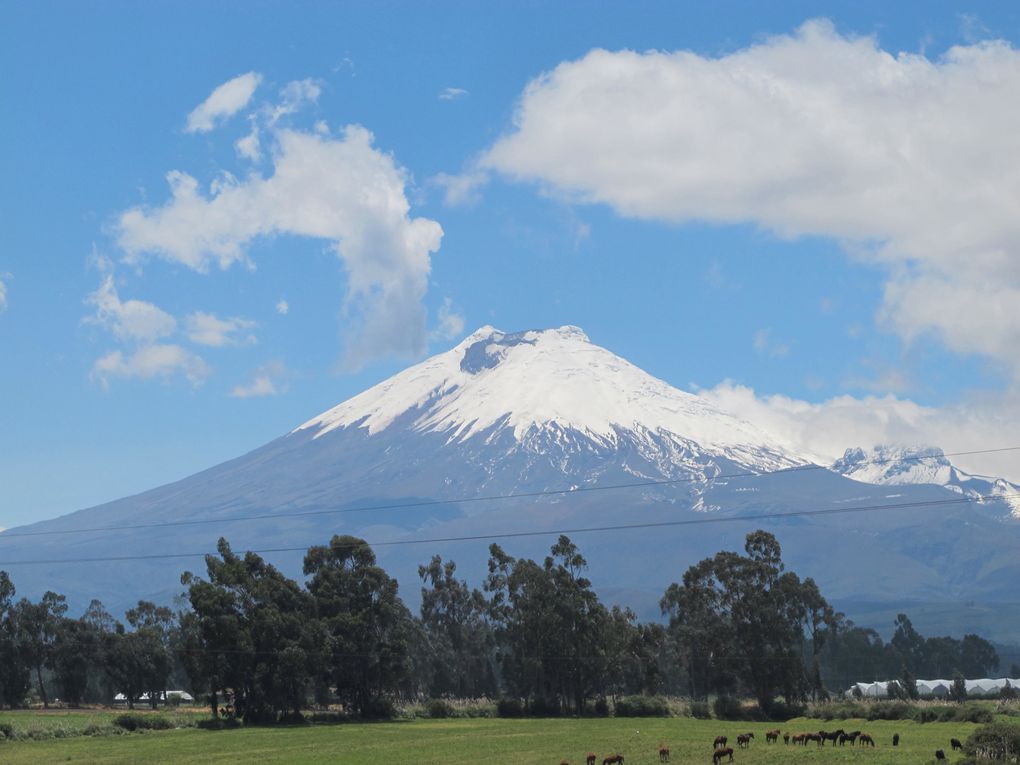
(486, 498)
(548, 532)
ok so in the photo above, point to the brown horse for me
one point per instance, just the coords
(744, 740)
(786, 738)
(591, 759)
(798, 738)
(772, 736)
(613, 759)
(663, 753)
(719, 741)
(866, 740)
(718, 754)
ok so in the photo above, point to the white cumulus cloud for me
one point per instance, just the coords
(908, 160)
(223, 103)
(208, 329)
(283, 307)
(340, 189)
(825, 430)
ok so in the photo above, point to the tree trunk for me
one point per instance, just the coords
(42, 687)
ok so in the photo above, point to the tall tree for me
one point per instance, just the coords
(15, 672)
(742, 617)
(909, 643)
(459, 636)
(153, 624)
(254, 630)
(366, 627)
(37, 633)
(978, 657)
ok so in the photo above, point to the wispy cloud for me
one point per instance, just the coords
(294, 96)
(452, 94)
(268, 380)
(208, 329)
(3, 291)
(223, 103)
(766, 345)
(128, 320)
(462, 189)
(449, 324)
(151, 361)
(283, 307)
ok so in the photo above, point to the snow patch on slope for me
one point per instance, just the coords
(549, 380)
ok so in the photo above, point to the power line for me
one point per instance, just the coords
(552, 532)
(486, 498)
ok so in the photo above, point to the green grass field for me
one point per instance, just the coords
(475, 741)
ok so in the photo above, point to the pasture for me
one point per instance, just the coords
(490, 741)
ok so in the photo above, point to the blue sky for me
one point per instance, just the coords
(807, 211)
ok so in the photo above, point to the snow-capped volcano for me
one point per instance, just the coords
(550, 382)
(523, 436)
(899, 466)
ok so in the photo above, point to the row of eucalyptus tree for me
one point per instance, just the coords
(261, 645)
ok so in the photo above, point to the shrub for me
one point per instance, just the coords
(6, 730)
(326, 717)
(438, 708)
(998, 742)
(728, 708)
(379, 709)
(783, 711)
(642, 706)
(701, 710)
(509, 708)
(541, 707)
(602, 706)
(218, 723)
(890, 710)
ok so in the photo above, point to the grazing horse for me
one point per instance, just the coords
(772, 736)
(955, 742)
(940, 755)
(613, 759)
(786, 738)
(663, 753)
(564, 762)
(812, 737)
(798, 738)
(895, 739)
(852, 736)
(866, 740)
(718, 754)
(832, 736)
(591, 759)
(743, 741)
(719, 741)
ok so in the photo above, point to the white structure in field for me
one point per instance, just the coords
(935, 688)
(182, 696)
